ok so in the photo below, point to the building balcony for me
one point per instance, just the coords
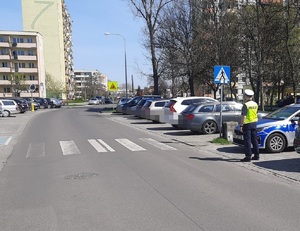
(5, 82)
(4, 44)
(4, 57)
(27, 70)
(5, 70)
(24, 45)
(27, 57)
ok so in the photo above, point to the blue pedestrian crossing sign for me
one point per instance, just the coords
(221, 74)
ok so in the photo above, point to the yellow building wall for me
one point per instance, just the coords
(46, 18)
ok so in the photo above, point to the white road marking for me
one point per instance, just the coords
(7, 140)
(130, 145)
(36, 150)
(157, 144)
(69, 147)
(97, 146)
(106, 145)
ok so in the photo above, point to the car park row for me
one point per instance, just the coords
(16, 105)
(276, 131)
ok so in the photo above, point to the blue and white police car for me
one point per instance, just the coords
(275, 131)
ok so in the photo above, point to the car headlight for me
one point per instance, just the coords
(260, 129)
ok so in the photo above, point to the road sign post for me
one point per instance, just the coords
(221, 76)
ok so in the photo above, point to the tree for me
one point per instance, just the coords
(150, 10)
(18, 83)
(55, 88)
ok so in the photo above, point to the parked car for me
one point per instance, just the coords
(296, 142)
(120, 103)
(126, 108)
(94, 101)
(275, 131)
(153, 109)
(50, 103)
(136, 110)
(42, 101)
(22, 104)
(206, 117)
(31, 101)
(107, 101)
(101, 99)
(177, 105)
(57, 103)
(8, 107)
(287, 101)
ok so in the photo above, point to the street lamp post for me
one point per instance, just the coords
(126, 88)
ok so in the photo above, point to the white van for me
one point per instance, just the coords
(8, 107)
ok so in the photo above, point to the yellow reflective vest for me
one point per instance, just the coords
(251, 116)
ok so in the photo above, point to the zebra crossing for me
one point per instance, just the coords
(70, 148)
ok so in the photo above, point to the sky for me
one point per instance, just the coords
(92, 49)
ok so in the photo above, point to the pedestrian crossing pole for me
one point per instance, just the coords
(221, 76)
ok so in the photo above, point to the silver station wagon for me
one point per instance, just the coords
(8, 107)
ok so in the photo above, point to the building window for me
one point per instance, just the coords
(29, 40)
(7, 90)
(3, 52)
(5, 77)
(31, 65)
(18, 40)
(4, 64)
(20, 52)
(20, 65)
(31, 77)
(2, 39)
(30, 53)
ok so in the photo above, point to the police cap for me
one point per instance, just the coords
(249, 92)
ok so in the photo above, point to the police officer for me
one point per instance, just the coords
(248, 127)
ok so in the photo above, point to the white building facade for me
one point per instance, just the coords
(22, 64)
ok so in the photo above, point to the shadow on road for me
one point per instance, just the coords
(287, 165)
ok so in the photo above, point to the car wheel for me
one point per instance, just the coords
(5, 113)
(276, 143)
(209, 127)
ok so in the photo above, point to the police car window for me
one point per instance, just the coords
(282, 113)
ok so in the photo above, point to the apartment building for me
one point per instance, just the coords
(52, 20)
(89, 83)
(22, 64)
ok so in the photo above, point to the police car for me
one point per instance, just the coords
(275, 131)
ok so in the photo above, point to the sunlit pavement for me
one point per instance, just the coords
(284, 165)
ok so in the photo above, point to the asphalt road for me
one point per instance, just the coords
(78, 169)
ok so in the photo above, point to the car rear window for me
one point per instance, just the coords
(8, 102)
(187, 102)
(190, 108)
(159, 104)
(207, 108)
(170, 103)
(147, 104)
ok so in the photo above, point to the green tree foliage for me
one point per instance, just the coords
(54, 88)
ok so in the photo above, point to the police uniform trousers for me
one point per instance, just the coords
(250, 138)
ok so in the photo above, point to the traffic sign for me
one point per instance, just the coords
(113, 86)
(31, 88)
(221, 74)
